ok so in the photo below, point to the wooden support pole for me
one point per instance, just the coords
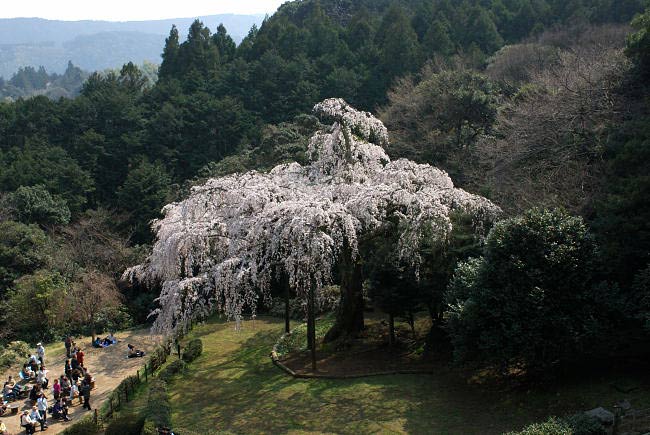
(287, 311)
(311, 325)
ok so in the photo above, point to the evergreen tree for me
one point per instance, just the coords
(224, 43)
(169, 65)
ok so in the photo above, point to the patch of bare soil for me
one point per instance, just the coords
(366, 355)
(108, 366)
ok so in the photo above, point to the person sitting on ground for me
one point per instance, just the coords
(27, 423)
(3, 408)
(165, 431)
(60, 411)
(28, 373)
(33, 363)
(41, 377)
(133, 352)
(8, 392)
(98, 343)
(36, 417)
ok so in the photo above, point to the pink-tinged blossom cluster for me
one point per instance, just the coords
(220, 248)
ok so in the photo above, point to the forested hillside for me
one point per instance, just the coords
(531, 103)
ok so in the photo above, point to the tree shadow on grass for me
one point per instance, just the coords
(233, 386)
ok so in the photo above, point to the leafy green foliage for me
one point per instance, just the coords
(125, 424)
(577, 424)
(439, 119)
(85, 426)
(51, 167)
(552, 426)
(638, 43)
(158, 410)
(23, 249)
(13, 353)
(170, 370)
(529, 300)
(641, 300)
(35, 205)
(192, 350)
(36, 305)
(145, 191)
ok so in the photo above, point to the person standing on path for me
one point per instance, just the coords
(40, 350)
(41, 403)
(68, 346)
(80, 357)
(85, 392)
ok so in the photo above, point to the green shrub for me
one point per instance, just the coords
(13, 352)
(193, 350)
(149, 428)
(532, 298)
(157, 357)
(85, 426)
(552, 426)
(582, 424)
(171, 369)
(158, 409)
(125, 424)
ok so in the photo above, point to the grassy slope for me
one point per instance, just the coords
(234, 387)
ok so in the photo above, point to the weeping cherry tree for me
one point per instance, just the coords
(220, 248)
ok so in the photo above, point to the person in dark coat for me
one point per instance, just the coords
(85, 393)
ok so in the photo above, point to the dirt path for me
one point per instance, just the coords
(108, 366)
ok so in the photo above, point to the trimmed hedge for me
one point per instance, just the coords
(193, 350)
(125, 424)
(171, 369)
(85, 426)
(158, 411)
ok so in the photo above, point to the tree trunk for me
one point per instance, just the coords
(349, 317)
(93, 329)
(287, 326)
(311, 328)
(391, 329)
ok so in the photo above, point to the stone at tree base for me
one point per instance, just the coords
(625, 405)
(602, 415)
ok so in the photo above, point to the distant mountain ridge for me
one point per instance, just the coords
(97, 45)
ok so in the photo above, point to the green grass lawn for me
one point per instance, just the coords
(234, 387)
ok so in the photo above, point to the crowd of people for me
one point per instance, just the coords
(50, 397)
(76, 382)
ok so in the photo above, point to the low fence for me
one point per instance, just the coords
(123, 393)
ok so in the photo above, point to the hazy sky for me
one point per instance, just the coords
(127, 10)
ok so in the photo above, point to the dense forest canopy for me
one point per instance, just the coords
(529, 103)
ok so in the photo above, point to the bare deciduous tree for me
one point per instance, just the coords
(94, 293)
